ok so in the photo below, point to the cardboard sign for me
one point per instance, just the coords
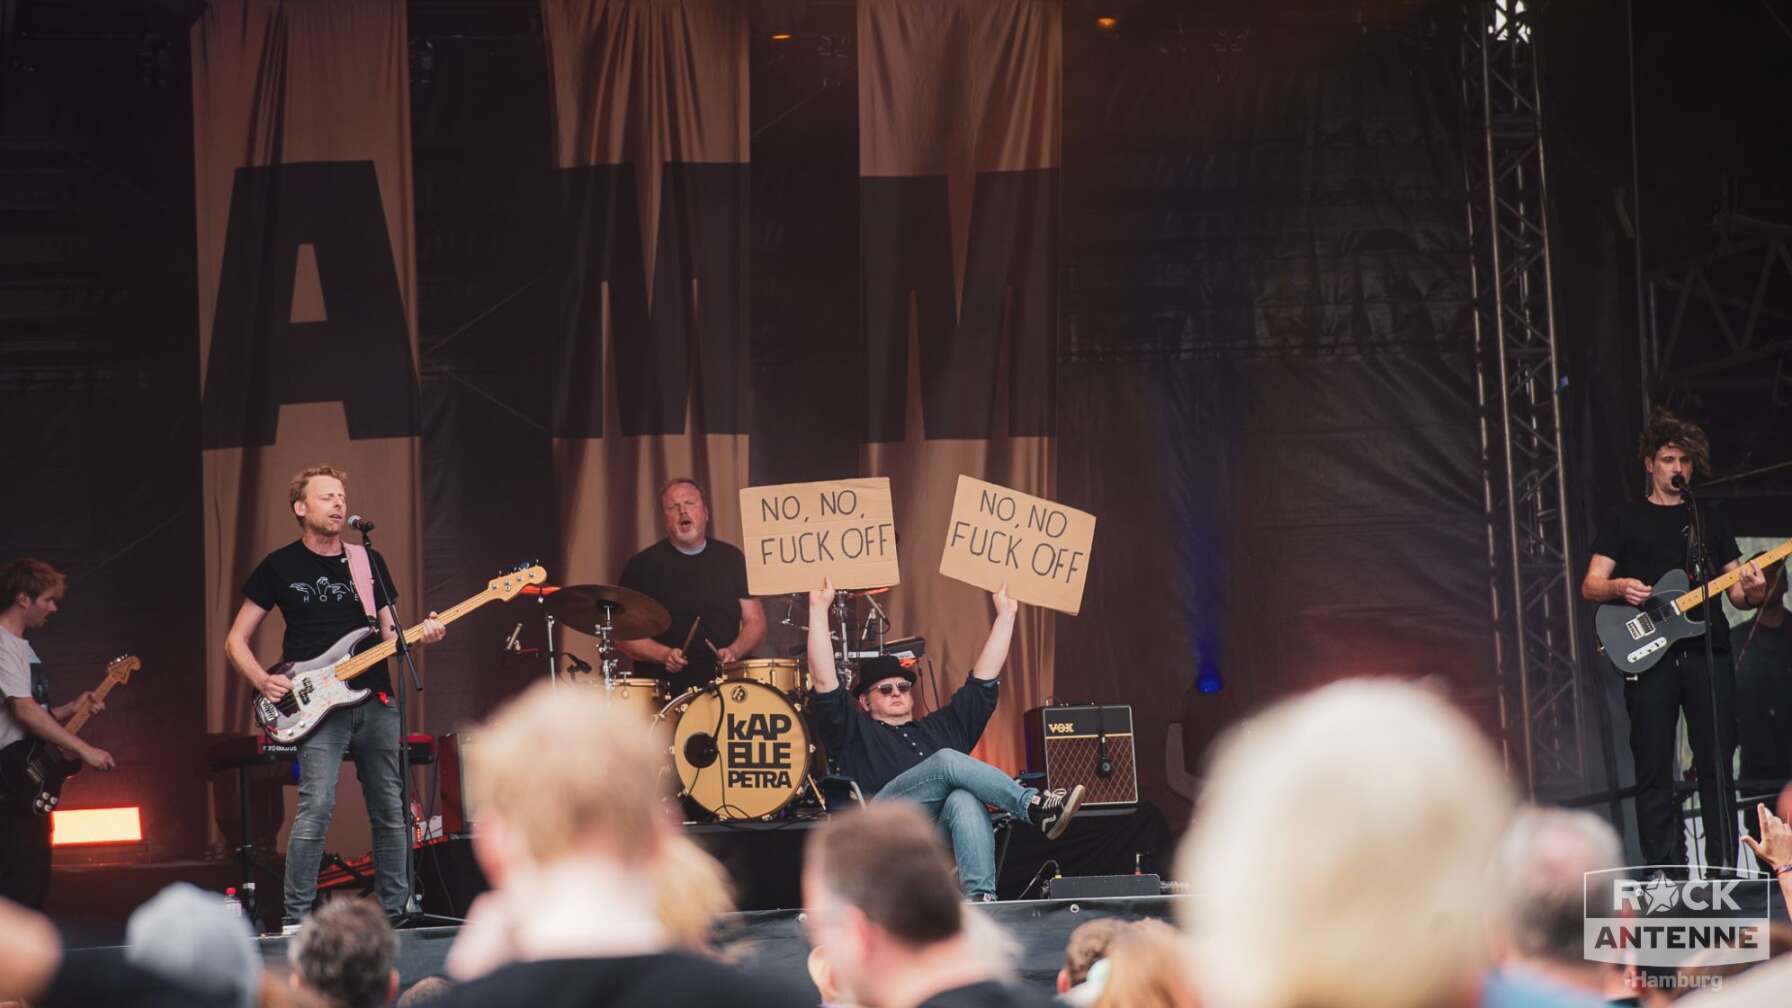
(1039, 549)
(796, 534)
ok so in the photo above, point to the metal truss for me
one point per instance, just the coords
(1533, 590)
(1720, 333)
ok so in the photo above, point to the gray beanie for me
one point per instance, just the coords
(187, 935)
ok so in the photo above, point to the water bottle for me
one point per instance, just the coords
(235, 905)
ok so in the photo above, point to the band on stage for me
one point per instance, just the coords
(752, 736)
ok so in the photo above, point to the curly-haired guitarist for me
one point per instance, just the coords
(1643, 540)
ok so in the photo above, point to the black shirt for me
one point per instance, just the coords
(874, 753)
(1647, 540)
(666, 980)
(710, 584)
(988, 994)
(316, 595)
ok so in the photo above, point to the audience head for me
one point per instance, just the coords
(693, 889)
(1145, 969)
(1356, 825)
(190, 937)
(1540, 873)
(346, 954)
(1088, 945)
(426, 991)
(879, 888)
(598, 797)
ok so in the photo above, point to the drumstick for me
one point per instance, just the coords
(712, 647)
(687, 637)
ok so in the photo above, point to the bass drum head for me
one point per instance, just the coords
(741, 748)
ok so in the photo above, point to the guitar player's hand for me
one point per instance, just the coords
(276, 686)
(97, 758)
(1635, 592)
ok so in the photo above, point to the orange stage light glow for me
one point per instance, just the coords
(1107, 23)
(73, 827)
(781, 36)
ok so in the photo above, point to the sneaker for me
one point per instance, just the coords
(982, 897)
(1053, 810)
(289, 927)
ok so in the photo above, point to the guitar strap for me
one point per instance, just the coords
(361, 569)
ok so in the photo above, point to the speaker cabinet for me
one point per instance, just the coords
(1067, 743)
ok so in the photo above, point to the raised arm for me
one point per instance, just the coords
(823, 677)
(1001, 633)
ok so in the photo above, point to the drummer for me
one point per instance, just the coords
(702, 582)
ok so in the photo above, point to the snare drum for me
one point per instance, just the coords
(641, 695)
(740, 747)
(786, 674)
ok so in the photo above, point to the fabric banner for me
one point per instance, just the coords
(959, 143)
(307, 307)
(650, 340)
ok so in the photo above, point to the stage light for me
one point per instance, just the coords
(781, 36)
(1208, 680)
(1107, 23)
(86, 827)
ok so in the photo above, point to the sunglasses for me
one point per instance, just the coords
(891, 689)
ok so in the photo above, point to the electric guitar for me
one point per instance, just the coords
(320, 685)
(1635, 638)
(32, 770)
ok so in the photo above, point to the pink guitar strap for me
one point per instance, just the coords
(361, 569)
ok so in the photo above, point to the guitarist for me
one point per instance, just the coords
(33, 591)
(1638, 544)
(310, 582)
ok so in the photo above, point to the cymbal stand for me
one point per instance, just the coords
(606, 652)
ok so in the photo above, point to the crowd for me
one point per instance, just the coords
(1356, 847)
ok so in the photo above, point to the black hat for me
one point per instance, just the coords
(875, 670)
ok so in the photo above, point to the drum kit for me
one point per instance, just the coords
(738, 744)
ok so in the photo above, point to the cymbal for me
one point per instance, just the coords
(632, 614)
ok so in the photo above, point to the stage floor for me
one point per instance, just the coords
(772, 942)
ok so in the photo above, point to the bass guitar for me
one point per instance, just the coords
(1636, 637)
(320, 685)
(32, 770)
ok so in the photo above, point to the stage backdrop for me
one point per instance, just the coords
(959, 113)
(301, 136)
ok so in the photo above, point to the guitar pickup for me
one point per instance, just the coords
(1641, 626)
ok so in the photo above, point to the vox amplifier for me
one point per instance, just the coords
(1087, 744)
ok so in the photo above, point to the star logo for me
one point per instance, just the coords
(1662, 895)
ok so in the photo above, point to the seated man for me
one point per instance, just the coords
(892, 755)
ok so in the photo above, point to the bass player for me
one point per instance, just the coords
(314, 584)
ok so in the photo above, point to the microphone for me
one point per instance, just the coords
(1677, 481)
(360, 524)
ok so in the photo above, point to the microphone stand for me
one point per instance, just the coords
(1724, 815)
(407, 917)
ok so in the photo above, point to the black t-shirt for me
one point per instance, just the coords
(666, 980)
(874, 753)
(710, 584)
(1647, 540)
(316, 594)
(988, 994)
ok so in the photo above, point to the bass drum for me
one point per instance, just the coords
(740, 747)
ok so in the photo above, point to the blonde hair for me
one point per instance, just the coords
(1342, 837)
(1144, 968)
(692, 889)
(562, 767)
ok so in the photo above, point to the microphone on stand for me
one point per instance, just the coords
(1676, 481)
(360, 524)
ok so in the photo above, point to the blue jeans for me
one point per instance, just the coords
(370, 730)
(953, 788)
